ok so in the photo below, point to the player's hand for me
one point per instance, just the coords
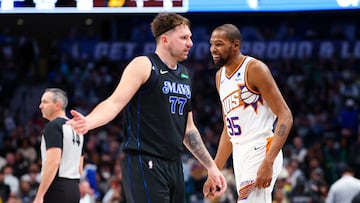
(264, 175)
(210, 189)
(78, 122)
(216, 184)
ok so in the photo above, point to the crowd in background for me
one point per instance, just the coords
(323, 94)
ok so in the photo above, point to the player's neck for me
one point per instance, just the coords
(235, 63)
(169, 61)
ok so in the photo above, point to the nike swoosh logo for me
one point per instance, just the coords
(256, 148)
(162, 72)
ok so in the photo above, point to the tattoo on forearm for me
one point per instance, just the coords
(197, 147)
(282, 130)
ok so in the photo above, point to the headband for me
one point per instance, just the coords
(167, 29)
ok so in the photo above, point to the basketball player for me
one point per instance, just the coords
(61, 152)
(157, 91)
(251, 103)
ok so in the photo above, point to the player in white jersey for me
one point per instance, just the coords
(251, 104)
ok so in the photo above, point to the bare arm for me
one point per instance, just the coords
(225, 147)
(194, 143)
(134, 75)
(81, 165)
(223, 152)
(53, 156)
(260, 79)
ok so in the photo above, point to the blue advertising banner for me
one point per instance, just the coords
(117, 51)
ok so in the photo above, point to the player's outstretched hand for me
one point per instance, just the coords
(78, 122)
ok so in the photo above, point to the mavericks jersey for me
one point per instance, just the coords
(156, 116)
(58, 134)
(247, 115)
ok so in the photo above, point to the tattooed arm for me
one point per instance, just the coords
(196, 146)
(260, 79)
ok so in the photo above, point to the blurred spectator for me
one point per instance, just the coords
(11, 180)
(332, 157)
(299, 193)
(14, 199)
(25, 193)
(316, 186)
(4, 188)
(90, 174)
(345, 188)
(86, 192)
(27, 151)
(115, 193)
(21, 164)
(2, 162)
(298, 150)
(282, 188)
(295, 173)
(349, 119)
(354, 155)
(30, 182)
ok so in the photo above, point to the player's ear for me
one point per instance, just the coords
(164, 38)
(237, 44)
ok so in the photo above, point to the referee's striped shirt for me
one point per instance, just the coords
(58, 134)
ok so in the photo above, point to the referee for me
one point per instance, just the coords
(61, 152)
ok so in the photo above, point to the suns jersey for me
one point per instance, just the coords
(247, 115)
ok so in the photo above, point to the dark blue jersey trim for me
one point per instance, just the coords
(144, 178)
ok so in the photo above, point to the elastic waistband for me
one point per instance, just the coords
(136, 153)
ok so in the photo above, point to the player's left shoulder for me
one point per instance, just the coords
(257, 65)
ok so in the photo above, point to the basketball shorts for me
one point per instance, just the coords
(150, 179)
(247, 159)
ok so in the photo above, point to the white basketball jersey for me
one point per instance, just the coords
(248, 117)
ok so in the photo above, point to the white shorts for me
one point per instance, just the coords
(247, 158)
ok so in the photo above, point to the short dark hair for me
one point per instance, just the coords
(346, 169)
(232, 32)
(164, 22)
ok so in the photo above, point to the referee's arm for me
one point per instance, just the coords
(49, 171)
(81, 165)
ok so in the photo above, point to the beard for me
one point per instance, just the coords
(219, 63)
